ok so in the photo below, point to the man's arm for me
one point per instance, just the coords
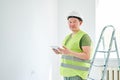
(85, 55)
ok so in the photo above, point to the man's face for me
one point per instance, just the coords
(74, 24)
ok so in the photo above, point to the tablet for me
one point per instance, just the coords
(54, 47)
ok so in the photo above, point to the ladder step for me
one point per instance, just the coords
(98, 65)
(90, 78)
(106, 51)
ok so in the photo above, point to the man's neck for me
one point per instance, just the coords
(74, 32)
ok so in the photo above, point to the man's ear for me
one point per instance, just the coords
(81, 22)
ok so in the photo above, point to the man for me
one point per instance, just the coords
(76, 51)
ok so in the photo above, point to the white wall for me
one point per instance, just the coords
(27, 29)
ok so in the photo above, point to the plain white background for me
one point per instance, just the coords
(27, 29)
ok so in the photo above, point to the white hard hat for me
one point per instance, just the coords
(74, 14)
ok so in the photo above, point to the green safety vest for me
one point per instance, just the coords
(70, 65)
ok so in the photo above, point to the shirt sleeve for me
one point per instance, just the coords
(85, 41)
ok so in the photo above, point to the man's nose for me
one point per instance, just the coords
(72, 24)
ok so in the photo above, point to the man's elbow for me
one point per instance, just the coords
(87, 57)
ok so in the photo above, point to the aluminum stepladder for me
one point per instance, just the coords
(105, 52)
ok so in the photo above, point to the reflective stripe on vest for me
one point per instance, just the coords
(74, 58)
(75, 67)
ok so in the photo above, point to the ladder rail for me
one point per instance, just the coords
(117, 52)
(109, 49)
(101, 36)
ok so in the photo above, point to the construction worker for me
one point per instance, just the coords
(76, 50)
